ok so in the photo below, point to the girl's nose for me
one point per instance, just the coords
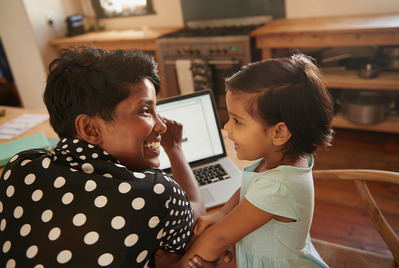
(160, 126)
(226, 126)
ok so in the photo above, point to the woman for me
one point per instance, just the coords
(99, 199)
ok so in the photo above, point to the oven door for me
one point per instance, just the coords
(205, 74)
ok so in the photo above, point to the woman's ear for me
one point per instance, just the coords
(281, 134)
(87, 129)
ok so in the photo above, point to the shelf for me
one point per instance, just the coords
(351, 80)
(391, 125)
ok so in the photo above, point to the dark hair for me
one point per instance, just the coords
(288, 90)
(87, 80)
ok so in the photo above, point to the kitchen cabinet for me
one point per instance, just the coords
(341, 31)
(144, 39)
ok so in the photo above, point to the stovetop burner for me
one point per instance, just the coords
(221, 27)
(214, 31)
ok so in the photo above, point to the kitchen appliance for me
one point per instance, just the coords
(75, 25)
(204, 53)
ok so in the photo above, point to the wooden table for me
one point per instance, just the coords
(143, 38)
(340, 31)
(13, 112)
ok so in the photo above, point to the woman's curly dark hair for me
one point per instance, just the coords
(87, 80)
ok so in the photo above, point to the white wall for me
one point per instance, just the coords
(22, 52)
(324, 8)
(39, 13)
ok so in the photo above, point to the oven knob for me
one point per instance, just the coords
(179, 51)
(211, 50)
(225, 50)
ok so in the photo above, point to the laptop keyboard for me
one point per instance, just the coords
(210, 174)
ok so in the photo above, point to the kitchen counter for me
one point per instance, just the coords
(113, 39)
(141, 38)
(340, 31)
(364, 30)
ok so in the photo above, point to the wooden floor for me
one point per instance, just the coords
(339, 215)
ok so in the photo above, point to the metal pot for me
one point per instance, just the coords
(369, 70)
(366, 107)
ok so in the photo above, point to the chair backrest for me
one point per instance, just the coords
(360, 178)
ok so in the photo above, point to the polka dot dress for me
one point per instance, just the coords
(79, 207)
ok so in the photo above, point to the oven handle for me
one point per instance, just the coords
(212, 62)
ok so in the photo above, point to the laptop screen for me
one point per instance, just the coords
(202, 139)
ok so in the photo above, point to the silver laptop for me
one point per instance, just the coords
(202, 145)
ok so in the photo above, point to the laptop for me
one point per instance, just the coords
(202, 145)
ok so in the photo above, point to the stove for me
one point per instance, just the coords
(212, 38)
(208, 31)
(204, 53)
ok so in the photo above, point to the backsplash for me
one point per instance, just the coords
(194, 10)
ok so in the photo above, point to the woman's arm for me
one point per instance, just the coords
(182, 173)
(239, 222)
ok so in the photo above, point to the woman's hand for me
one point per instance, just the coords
(204, 222)
(198, 262)
(173, 135)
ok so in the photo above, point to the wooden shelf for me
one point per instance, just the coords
(338, 31)
(391, 125)
(351, 80)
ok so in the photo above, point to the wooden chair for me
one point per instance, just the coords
(338, 256)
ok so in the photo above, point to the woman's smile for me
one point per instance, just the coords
(152, 147)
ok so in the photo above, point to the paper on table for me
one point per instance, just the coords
(184, 76)
(20, 124)
(9, 149)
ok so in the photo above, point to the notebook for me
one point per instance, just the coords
(202, 144)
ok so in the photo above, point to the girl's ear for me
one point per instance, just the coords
(281, 134)
(87, 129)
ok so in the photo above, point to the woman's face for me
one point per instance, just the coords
(134, 136)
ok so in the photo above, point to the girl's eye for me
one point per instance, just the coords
(236, 121)
(145, 110)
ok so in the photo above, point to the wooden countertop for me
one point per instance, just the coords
(331, 24)
(134, 38)
(364, 30)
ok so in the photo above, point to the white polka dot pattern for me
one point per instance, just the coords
(82, 197)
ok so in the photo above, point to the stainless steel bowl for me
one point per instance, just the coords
(366, 107)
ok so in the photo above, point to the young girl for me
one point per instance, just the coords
(279, 113)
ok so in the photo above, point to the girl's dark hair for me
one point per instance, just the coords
(87, 80)
(288, 90)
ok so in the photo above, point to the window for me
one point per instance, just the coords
(122, 8)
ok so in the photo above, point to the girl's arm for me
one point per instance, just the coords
(241, 221)
(206, 221)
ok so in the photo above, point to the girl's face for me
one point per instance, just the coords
(252, 140)
(134, 136)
